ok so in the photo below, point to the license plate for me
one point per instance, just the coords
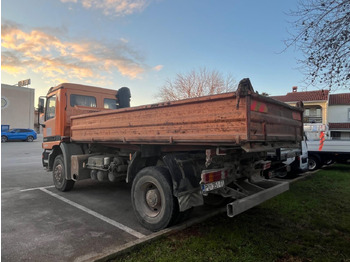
(211, 186)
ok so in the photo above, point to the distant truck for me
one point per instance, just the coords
(322, 149)
(288, 162)
(177, 155)
(332, 150)
(300, 163)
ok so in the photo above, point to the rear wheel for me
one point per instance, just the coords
(314, 163)
(59, 175)
(152, 198)
(30, 139)
(3, 139)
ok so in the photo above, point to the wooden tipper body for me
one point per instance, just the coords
(176, 155)
(251, 121)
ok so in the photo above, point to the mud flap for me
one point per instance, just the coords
(68, 150)
(185, 181)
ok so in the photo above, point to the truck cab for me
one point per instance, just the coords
(67, 100)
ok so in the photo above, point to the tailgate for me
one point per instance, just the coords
(271, 120)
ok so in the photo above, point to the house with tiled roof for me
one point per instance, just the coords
(315, 104)
(339, 116)
(322, 112)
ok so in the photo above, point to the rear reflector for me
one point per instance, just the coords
(263, 165)
(209, 176)
(267, 165)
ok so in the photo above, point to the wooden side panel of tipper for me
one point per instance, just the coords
(211, 120)
(271, 121)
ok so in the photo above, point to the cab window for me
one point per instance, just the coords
(80, 100)
(50, 107)
(110, 103)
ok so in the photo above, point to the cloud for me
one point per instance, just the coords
(113, 7)
(158, 67)
(44, 53)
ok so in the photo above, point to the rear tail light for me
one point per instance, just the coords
(209, 176)
(267, 165)
(263, 165)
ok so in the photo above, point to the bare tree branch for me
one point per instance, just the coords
(196, 83)
(322, 33)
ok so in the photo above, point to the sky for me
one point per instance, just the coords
(142, 43)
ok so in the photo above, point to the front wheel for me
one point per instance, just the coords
(152, 198)
(59, 175)
(30, 139)
(314, 163)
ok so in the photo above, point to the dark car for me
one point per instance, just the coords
(24, 134)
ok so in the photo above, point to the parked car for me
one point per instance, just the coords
(24, 134)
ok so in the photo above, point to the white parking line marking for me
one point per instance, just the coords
(93, 213)
(35, 188)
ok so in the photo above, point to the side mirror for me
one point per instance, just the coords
(41, 105)
(41, 109)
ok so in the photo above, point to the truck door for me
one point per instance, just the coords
(50, 114)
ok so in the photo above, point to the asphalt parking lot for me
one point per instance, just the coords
(41, 224)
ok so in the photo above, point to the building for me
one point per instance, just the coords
(339, 116)
(322, 112)
(17, 106)
(315, 104)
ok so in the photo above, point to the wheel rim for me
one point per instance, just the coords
(151, 203)
(3, 139)
(30, 139)
(312, 164)
(58, 174)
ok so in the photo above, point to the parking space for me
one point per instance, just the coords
(41, 224)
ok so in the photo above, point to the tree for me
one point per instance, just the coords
(323, 35)
(196, 83)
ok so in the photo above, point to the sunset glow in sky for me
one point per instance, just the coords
(142, 43)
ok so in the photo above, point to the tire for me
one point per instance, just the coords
(59, 175)
(314, 163)
(294, 169)
(30, 139)
(152, 198)
(3, 139)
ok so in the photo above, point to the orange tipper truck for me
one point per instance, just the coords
(177, 155)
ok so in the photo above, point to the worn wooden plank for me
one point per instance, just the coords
(214, 120)
(193, 121)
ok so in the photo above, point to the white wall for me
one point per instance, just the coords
(19, 108)
(338, 114)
